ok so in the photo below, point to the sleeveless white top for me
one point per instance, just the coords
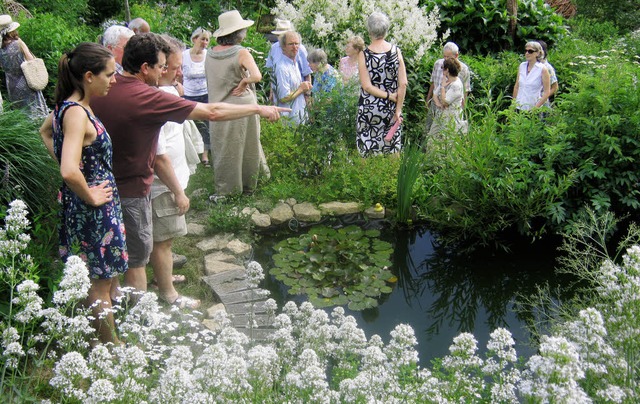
(530, 86)
(194, 80)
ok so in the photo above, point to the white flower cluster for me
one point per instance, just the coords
(329, 24)
(13, 239)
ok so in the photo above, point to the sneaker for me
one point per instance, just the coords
(178, 260)
(217, 198)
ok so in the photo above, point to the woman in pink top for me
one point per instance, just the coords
(349, 64)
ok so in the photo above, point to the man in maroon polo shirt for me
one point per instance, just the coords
(133, 112)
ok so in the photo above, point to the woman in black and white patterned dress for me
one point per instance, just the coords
(383, 79)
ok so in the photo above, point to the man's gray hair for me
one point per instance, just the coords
(451, 47)
(283, 38)
(137, 23)
(175, 45)
(317, 56)
(114, 34)
(378, 25)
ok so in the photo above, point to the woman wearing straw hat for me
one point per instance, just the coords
(12, 53)
(231, 76)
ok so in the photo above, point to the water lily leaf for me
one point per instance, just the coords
(373, 233)
(318, 276)
(315, 257)
(372, 292)
(386, 289)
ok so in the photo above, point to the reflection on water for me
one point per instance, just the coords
(441, 293)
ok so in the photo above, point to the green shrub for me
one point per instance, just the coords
(601, 116)
(481, 26)
(625, 14)
(592, 30)
(72, 9)
(27, 171)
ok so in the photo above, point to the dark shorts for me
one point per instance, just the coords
(138, 224)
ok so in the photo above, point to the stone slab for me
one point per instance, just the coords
(217, 242)
(216, 267)
(243, 308)
(259, 334)
(282, 213)
(240, 296)
(242, 320)
(227, 276)
(307, 212)
(211, 311)
(340, 208)
(372, 213)
(221, 256)
(224, 288)
(195, 229)
(238, 248)
(261, 220)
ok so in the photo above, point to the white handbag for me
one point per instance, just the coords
(36, 74)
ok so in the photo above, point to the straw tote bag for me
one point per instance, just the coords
(36, 74)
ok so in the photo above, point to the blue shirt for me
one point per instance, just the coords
(326, 81)
(288, 79)
(275, 54)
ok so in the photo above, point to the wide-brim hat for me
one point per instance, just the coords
(282, 26)
(230, 22)
(7, 24)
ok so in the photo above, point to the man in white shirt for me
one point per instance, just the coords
(168, 223)
(290, 89)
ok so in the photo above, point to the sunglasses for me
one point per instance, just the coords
(530, 51)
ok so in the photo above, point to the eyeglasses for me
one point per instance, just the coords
(293, 44)
(530, 51)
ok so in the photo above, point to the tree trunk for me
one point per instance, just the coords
(127, 11)
(512, 11)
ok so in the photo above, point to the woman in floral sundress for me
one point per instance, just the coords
(91, 218)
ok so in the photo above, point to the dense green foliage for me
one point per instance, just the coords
(26, 169)
(335, 266)
(625, 14)
(482, 26)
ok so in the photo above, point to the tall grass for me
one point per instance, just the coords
(27, 171)
(410, 169)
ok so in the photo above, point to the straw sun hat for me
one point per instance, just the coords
(7, 24)
(230, 22)
(282, 26)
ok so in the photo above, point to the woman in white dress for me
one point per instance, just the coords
(448, 98)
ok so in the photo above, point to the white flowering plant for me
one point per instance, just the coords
(312, 355)
(328, 24)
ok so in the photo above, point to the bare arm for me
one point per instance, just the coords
(515, 87)
(74, 127)
(221, 111)
(164, 171)
(402, 86)
(554, 88)
(25, 50)
(302, 88)
(546, 88)
(249, 64)
(46, 133)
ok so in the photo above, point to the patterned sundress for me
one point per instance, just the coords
(375, 114)
(95, 234)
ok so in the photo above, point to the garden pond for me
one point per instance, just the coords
(441, 292)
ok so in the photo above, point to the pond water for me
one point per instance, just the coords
(441, 293)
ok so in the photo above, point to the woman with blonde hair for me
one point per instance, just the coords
(532, 87)
(348, 66)
(194, 81)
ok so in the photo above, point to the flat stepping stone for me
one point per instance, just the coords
(216, 267)
(225, 288)
(195, 229)
(221, 256)
(244, 308)
(217, 242)
(242, 320)
(339, 208)
(244, 296)
(257, 334)
(221, 277)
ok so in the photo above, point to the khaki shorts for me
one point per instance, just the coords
(167, 224)
(136, 214)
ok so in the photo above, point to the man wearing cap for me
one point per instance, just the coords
(115, 38)
(133, 112)
(275, 53)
